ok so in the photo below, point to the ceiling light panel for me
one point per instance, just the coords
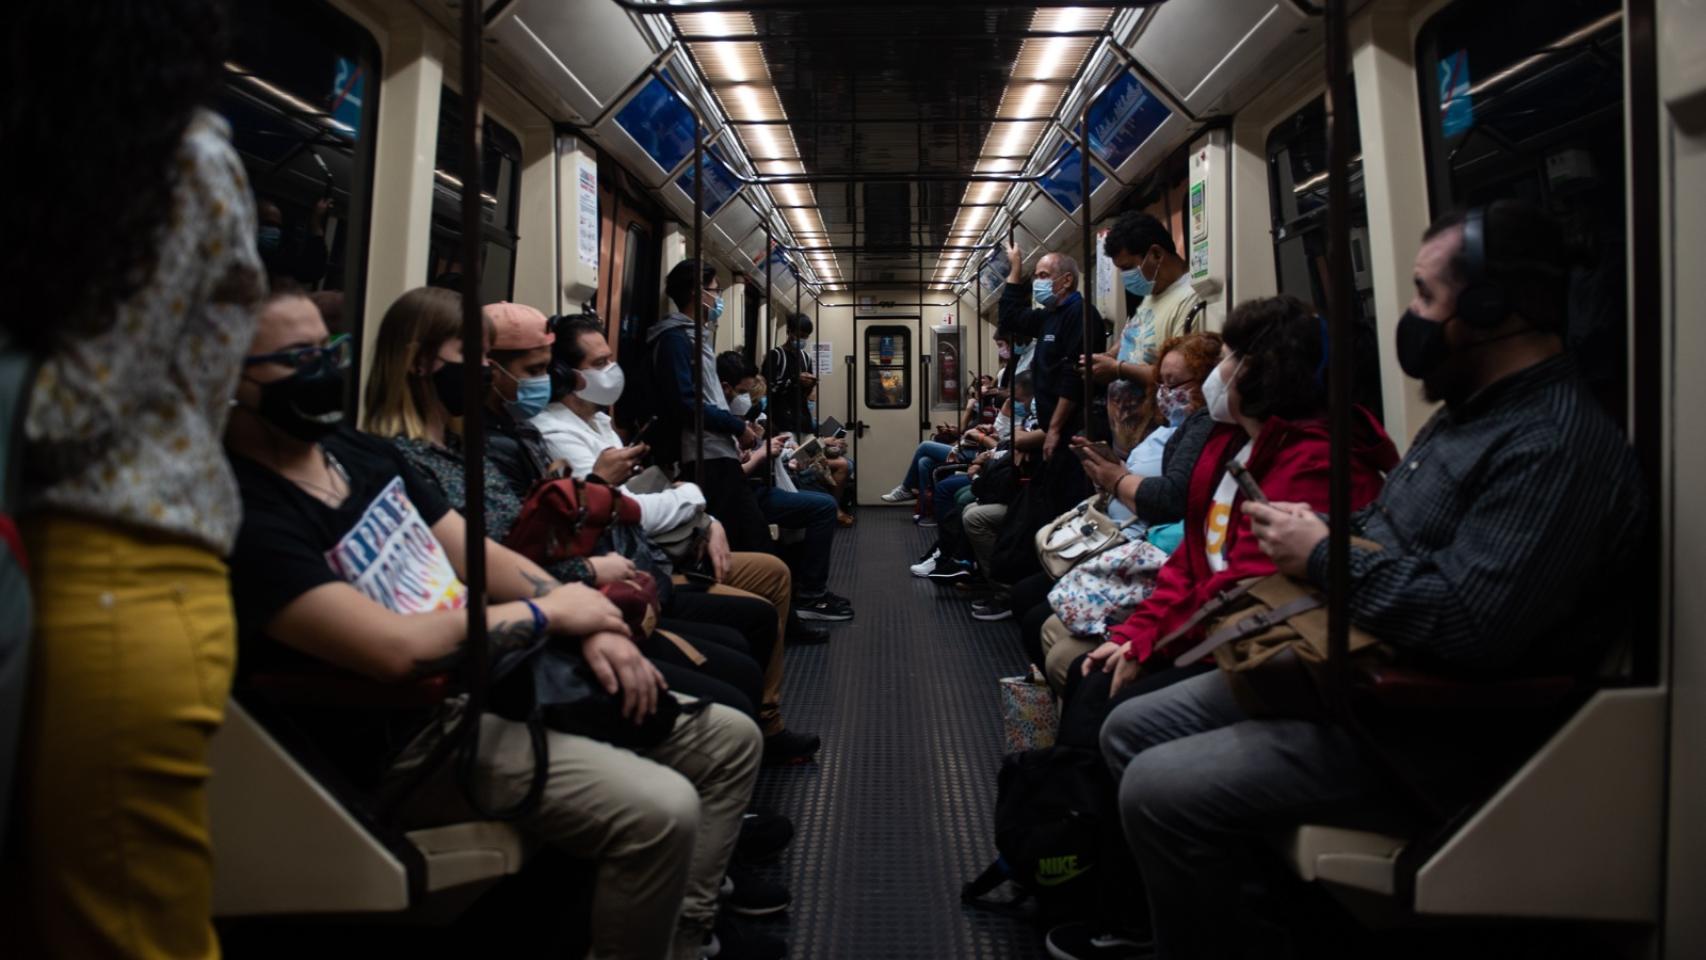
(736, 73)
(1041, 76)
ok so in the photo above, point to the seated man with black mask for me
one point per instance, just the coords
(1495, 536)
(347, 557)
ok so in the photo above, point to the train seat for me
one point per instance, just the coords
(292, 840)
(1568, 836)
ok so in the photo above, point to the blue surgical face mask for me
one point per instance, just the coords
(269, 236)
(1043, 291)
(1136, 283)
(715, 313)
(531, 395)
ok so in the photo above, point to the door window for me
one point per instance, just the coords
(888, 367)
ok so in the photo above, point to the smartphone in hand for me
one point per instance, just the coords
(1252, 491)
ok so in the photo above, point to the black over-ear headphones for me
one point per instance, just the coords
(563, 377)
(1482, 302)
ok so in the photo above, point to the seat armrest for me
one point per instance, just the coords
(1406, 689)
(349, 690)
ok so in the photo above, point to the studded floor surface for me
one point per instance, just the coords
(898, 810)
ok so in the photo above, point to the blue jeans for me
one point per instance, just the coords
(925, 460)
(945, 503)
(815, 514)
(1200, 782)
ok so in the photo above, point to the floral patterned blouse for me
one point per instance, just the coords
(126, 425)
(442, 467)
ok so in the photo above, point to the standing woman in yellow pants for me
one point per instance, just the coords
(131, 268)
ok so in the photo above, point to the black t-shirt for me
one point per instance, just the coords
(378, 540)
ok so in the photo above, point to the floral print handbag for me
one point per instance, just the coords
(1107, 587)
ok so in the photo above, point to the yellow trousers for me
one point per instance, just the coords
(134, 648)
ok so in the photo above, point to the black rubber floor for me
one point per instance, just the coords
(897, 813)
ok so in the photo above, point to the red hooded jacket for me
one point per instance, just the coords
(1290, 463)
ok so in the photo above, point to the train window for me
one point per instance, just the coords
(639, 271)
(1297, 184)
(888, 367)
(500, 194)
(1525, 99)
(299, 96)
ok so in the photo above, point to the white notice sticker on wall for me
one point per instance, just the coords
(586, 183)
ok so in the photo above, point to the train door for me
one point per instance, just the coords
(630, 246)
(888, 392)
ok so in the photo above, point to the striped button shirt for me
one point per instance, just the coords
(1506, 529)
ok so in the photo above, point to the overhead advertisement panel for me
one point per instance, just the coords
(1063, 181)
(660, 123)
(1123, 118)
(720, 183)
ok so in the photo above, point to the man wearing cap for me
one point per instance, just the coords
(521, 387)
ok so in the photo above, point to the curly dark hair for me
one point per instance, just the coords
(1281, 342)
(92, 137)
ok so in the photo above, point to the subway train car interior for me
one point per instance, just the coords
(643, 479)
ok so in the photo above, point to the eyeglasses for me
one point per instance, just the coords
(335, 350)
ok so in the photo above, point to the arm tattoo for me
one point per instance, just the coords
(541, 585)
(511, 634)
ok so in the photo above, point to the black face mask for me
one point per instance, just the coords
(308, 404)
(1421, 345)
(447, 383)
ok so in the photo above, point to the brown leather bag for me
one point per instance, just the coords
(1269, 638)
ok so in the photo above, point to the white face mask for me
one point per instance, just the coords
(741, 405)
(1217, 393)
(603, 384)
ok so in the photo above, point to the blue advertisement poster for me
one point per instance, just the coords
(1062, 181)
(1456, 108)
(720, 183)
(349, 88)
(1122, 118)
(994, 272)
(660, 123)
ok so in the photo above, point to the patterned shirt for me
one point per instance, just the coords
(125, 425)
(442, 467)
(1159, 318)
(1504, 531)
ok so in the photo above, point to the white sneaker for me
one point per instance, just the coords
(899, 495)
(926, 566)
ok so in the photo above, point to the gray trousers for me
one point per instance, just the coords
(1199, 781)
(982, 523)
(660, 825)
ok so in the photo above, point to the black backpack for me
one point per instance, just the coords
(1057, 830)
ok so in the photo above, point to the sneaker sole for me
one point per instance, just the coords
(823, 617)
(759, 911)
(948, 577)
(992, 617)
(923, 575)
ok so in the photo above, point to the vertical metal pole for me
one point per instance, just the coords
(769, 341)
(817, 341)
(1087, 282)
(473, 355)
(977, 279)
(1339, 367)
(699, 301)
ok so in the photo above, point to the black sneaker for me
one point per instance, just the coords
(1082, 941)
(823, 608)
(838, 600)
(805, 635)
(732, 941)
(948, 571)
(788, 748)
(764, 834)
(994, 607)
(754, 896)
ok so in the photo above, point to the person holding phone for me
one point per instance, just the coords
(1268, 398)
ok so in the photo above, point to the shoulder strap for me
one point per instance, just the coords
(1201, 307)
(1215, 606)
